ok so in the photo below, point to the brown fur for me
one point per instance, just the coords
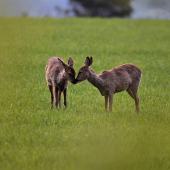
(125, 77)
(57, 75)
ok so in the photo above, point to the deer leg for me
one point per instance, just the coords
(65, 94)
(106, 102)
(130, 92)
(136, 98)
(59, 99)
(137, 103)
(110, 102)
(56, 96)
(52, 97)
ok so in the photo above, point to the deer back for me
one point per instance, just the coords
(53, 70)
(119, 78)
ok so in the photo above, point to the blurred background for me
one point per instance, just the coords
(151, 9)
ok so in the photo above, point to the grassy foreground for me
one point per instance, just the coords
(83, 136)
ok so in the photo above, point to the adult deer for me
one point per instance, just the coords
(58, 74)
(125, 77)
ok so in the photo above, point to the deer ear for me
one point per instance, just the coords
(87, 61)
(70, 62)
(63, 65)
(91, 61)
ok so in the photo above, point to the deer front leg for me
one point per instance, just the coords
(56, 96)
(110, 102)
(65, 94)
(52, 97)
(106, 102)
(59, 99)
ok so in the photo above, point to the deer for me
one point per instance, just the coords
(108, 82)
(58, 74)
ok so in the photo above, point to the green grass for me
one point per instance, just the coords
(83, 136)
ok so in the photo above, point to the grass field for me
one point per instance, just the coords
(84, 136)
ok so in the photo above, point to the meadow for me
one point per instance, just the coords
(84, 136)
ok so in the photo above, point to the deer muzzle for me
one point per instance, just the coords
(75, 81)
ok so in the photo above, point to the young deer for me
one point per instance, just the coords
(57, 75)
(125, 77)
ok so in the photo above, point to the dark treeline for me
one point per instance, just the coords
(101, 8)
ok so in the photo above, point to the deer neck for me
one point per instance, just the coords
(95, 80)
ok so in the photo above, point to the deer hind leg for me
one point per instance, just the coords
(110, 102)
(65, 94)
(59, 99)
(106, 102)
(137, 103)
(52, 97)
(134, 90)
(56, 96)
(130, 92)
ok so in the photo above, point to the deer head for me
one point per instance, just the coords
(69, 70)
(84, 71)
